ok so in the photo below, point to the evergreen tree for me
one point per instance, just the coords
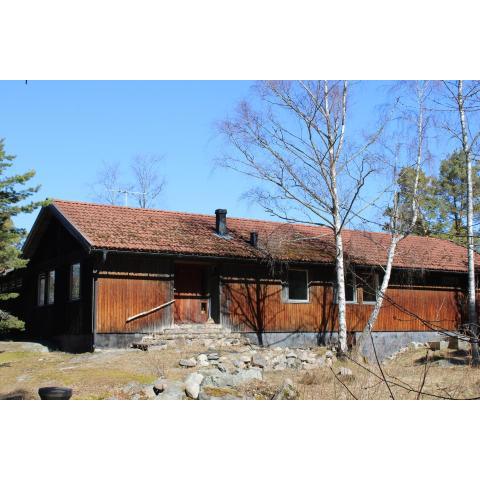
(13, 195)
(426, 201)
(451, 192)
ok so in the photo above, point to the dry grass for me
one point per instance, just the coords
(105, 374)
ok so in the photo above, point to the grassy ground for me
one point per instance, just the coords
(105, 374)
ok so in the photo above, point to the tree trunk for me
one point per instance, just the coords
(472, 310)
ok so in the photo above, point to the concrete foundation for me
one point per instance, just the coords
(293, 339)
(117, 340)
(386, 343)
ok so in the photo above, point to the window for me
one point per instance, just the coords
(370, 287)
(350, 288)
(41, 289)
(75, 281)
(297, 287)
(51, 287)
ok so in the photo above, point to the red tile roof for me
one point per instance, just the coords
(135, 229)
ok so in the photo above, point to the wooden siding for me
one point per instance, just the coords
(119, 298)
(250, 304)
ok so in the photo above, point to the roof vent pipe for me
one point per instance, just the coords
(253, 239)
(221, 221)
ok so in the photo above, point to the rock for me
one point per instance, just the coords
(329, 354)
(192, 385)
(304, 356)
(213, 356)
(219, 379)
(238, 364)
(187, 362)
(320, 361)
(259, 361)
(221, 367)
(160, 385)
(149, 392)
(291, 355)
(287, 391)
(202, 358)
(417, 345)
(246, 358)
(345, 371)
(174, 391)
(308, 366)
(292, 362)
(280, 366)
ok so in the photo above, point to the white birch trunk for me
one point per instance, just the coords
(472, 308)
(340, 270)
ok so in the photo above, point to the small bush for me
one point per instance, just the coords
(10, 324)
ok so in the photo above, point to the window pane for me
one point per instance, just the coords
(297, 285)
(51, 287)
(41, 290)
(75, 281)
(350, 288)
(369, 287)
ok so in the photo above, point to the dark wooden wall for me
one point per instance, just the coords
(57, 250)
(254, 303)
(127, 285)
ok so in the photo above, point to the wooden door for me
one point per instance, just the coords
(191, 298)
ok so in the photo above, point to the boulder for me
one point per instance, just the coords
(259, 361)
(213, 356)
(149, 392)
(291, 355)
(219, 379)
(192, 385)
(174, 391)
(293, 362)
(287, 391)
(329, 354)
(160, 385)
(187, 362)
(246, 358)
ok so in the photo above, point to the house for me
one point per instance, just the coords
(102, 275)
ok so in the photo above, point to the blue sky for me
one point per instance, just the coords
(66, 129)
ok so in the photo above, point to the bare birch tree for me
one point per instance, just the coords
(308, 169)
(106, 188)
(401, 225)
(463, 100)
(148, 182)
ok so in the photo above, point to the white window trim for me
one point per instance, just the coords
(287, 291)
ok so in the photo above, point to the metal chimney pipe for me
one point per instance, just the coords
(221, 221)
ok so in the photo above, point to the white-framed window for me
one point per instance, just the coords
(41, 283)
(75, 281)
(51, 287)
(296, 289)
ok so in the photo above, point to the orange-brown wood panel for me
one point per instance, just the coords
(252, 306)
(119, 298)
(191, 299)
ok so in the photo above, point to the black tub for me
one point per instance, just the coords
(55, 393)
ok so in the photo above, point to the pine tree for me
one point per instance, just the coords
(451, 192)
(426, 200)
(13, 194)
